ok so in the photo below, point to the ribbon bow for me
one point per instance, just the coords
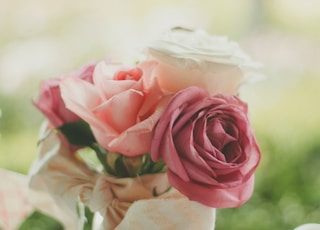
(59, 180)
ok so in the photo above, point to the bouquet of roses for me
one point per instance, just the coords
(172, 139)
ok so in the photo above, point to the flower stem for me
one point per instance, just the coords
(102, 155)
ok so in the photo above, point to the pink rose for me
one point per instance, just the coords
(50, 102)
(121, 107)
(194, 58)
(208, 146)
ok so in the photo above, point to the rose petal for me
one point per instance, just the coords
(117, 112)
(184, 144)
(109, 87)
(214, 196)
(82, 104)
(217, 134)
(164, 148)
(136, 139)
(198, 174)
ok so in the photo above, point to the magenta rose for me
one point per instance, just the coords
(208, 146)
(121, 106)
(50, 102)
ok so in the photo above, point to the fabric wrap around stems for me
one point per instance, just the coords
(59, 180)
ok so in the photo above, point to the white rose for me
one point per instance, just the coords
(193, 58)
(310, 226)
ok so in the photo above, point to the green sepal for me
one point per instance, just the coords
(159, 166)
(120, 168)
(151, 167)
(78, 133)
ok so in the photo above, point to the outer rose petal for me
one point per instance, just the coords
(213, 196)
(138, 136)
(217, 78)
(117, 112)
(164, 147)
(50, 102)
(83, 103)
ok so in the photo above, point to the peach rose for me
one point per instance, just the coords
(209, 147)
(121, 106)
(193, 58)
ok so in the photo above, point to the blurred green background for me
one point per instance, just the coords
(43, 39)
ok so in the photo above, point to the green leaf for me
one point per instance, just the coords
(38, 220)
(89, 219)
(159, 166)
(78, 133)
